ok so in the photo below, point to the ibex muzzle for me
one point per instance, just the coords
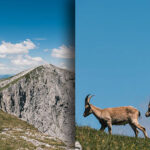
(147, 114)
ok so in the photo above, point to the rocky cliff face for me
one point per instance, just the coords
(44, 97)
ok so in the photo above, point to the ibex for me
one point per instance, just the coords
(114, 116)
(147, 114)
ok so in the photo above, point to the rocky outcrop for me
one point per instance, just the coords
(44, 97)
(78, 146)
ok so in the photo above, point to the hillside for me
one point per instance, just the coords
(16, 134)
(44, 97)
(92, 139)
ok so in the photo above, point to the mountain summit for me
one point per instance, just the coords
(44, 97)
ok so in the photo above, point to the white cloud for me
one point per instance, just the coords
(20, 63)
(17, 57)
(65, 65)
(63, 52)
(18, 48)
(8, 70)
(27, 60)
(62, 65)
(4, 69)
(2, 56)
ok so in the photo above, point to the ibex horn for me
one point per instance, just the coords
(87, 99)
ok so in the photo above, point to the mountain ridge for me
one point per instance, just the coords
(44, 97)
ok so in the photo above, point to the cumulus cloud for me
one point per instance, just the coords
(4, 69)
(63, 52)
(63, 65)
(18, 48)
(66, 65)
(27, 60)
(17, 57)
(9, 69)
(19, 63)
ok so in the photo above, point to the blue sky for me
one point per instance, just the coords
(33, 32)
(112, 56)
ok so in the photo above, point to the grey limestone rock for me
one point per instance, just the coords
(44, 97)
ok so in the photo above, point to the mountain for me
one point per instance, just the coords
(44, 97)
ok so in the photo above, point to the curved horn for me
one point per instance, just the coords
(87, 99)
(90, 98)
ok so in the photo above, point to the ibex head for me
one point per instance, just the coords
(147, 114)
(88, 109)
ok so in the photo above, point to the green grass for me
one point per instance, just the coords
(12, 129)
(92, 139)
(10, 121)
(8, 143)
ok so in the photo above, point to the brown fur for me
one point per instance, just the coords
(115, 116)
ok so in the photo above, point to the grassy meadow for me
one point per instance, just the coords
(92, 139)
(16, 134)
